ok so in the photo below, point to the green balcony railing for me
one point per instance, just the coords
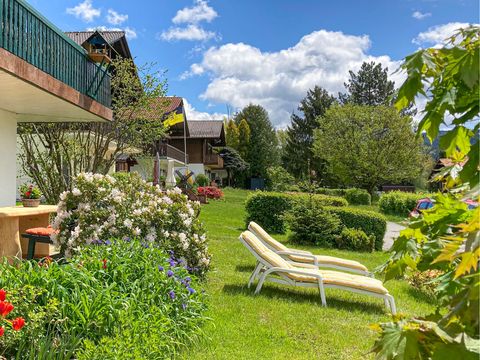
(29, 35)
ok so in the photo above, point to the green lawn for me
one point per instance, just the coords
(283, 322)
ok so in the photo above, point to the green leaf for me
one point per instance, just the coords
(455, 140)
(470, 171)
(453, 351)
(469, 70)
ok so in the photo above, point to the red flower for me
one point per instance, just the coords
(18, 323)
(2, 331)
(3, 294)
(5, 308)
(27, 194)
(104, 263)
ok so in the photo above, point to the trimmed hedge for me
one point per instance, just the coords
(268, 208)
(355, 239)
(370, 222)
(399, 203)
(354, 196)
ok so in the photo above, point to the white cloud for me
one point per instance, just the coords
(419, 15)
(193, 114)
(84, 11)
(243, 74)
(129, 32)
(193, 15)
(191, 32)
(115, 18)
(437, 35)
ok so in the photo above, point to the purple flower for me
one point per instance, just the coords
(172, 262)
(170, 252)
(127, 239)
(169, 273)
(184, 306)
(108, 242)
(171, 294)
(190, 290)
(96, 242)
(188, 279)
(160, 268)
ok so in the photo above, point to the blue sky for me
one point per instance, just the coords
(225, 52)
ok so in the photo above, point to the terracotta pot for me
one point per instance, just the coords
(31, 202)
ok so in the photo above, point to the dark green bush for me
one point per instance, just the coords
(370, 222)
(355, 239)
(311, 224)
(268, 208)
(202, 180)
(358, 196)
(398, 202)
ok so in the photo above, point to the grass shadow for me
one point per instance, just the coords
(305, 297)
(244, 268)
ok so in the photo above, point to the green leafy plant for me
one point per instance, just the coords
(29, 192)
(109, 290)
(311, 224)
(354, 239)
(446, 237)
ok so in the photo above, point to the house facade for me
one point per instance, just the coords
(190, 144)
(44, 77)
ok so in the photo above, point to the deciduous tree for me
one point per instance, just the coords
(367, 146)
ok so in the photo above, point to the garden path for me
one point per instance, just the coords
(393, 231)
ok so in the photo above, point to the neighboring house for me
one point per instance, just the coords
(190, 144)
(102, 45)
(44, 77)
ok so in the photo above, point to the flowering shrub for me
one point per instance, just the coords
(100, 207)
(111, 298)
(212, 192)
(5, 309)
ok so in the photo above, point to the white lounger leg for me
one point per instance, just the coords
(260, 282)
(392, 304)
(254, 274)
(322, 293)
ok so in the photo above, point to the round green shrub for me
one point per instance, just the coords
(355, 239)
(202, 180)
(311, 224)
(358, 196)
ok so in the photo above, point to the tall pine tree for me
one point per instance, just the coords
(262, 147)
(369, 86)
(232, 134)
(298, 156)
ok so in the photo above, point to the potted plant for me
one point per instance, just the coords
(30, 195)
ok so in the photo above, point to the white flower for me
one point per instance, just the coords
(63, 196)
(137, 212)
(76, 192)
(182, 236)
(128, 223)
(187, 222)
(137, 231)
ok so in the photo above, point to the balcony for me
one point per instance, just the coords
(214, 161)
(25, 33)
(170, 152)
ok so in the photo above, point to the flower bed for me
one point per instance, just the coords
(111, 297)
(211, 192)
(99, 207)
